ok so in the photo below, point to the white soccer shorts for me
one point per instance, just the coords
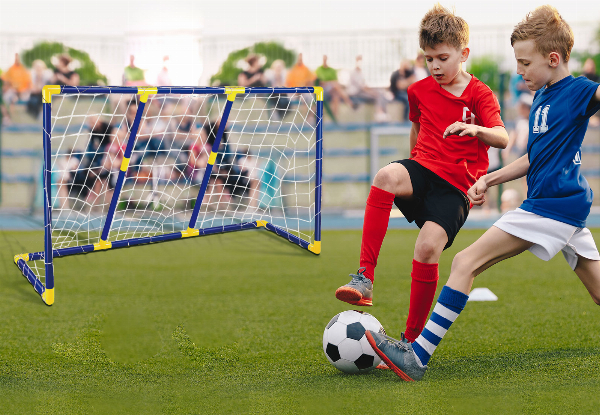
(549, 236)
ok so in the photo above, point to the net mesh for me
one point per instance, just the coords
(265, 168)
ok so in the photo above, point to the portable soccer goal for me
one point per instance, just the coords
(126, 166)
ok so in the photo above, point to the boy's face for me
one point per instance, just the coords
(535, 68)
(444, 62)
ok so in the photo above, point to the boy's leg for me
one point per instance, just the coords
(429, 246)
(494, 246)
(404, 358)
(390, 182)
(588, 272)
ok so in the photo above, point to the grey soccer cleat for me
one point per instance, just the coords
(397, 354)
(359, 291)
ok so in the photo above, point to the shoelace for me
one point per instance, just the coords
(399, 344)
(358, 278)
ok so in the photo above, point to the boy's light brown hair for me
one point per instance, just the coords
(546, 27)
(440, 25)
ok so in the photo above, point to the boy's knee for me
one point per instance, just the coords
(384, 179)
(462, 263)
(392, 178)
(596, 298)
(428, 250)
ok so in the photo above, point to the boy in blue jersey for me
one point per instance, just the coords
(553, 217)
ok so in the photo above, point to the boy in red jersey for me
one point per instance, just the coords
(455, 119)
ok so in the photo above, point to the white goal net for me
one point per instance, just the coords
(264, 171)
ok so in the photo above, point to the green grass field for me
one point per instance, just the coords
(233, 324)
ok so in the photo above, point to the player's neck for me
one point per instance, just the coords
(458, 84)
(561, 73)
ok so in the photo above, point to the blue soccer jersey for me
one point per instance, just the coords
(557, 124)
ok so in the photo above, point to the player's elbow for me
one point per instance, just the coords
(501, 138)
(503, 142)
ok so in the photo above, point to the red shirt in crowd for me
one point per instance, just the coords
(458, 160)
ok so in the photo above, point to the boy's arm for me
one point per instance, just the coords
(514, 170)
(493, 137)
(414, 133)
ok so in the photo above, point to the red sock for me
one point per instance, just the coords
(377, 217)
(422, 290)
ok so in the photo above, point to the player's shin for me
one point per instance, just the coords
(449, 305)
(377, 217)
(422, 291)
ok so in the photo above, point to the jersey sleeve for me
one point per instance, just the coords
(487, 108)
(581, 93)
(413, 104)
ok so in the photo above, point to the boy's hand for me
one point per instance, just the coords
(461, 129)
(477, 192)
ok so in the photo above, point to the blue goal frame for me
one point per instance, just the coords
(46, 290)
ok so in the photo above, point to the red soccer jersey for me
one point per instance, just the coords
(458, 160)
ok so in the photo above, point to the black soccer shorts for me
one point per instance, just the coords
(434, 200)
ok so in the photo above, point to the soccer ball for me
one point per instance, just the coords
(345, 344)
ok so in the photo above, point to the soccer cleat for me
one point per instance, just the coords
(397, 354)
(359, 291)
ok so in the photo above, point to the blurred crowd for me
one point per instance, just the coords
(353, 92)
(236, 178)
(23, 85)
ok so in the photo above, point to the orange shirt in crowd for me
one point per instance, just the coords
(18, 77)
(299, 76)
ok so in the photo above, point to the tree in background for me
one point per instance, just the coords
(87, 70)
(487, 70)
(229, 71)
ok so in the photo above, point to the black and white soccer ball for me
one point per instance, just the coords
(345, 344)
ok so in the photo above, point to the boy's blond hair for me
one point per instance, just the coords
(546, 27)
(440, 25)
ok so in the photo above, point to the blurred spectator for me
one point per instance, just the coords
(359, 92)
(223, 180)
(299, 75)
(517, 87)
(510, 200)
(90, 176)
(63, 74)
(421, 71)
(40, 76)
(334, 92)
(276, 75)
(151, 138)
(400, 80)
(518, 137)
(133, 76)
(199, 152)
(247, 166)
(589, 70)
(164, 78)
(492, 194)
(253, 76)
(17, 85)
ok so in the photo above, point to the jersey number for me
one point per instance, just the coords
(543, 127)
(468, 116)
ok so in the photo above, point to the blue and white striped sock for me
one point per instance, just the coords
(449, 305)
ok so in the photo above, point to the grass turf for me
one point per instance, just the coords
(233, 324)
